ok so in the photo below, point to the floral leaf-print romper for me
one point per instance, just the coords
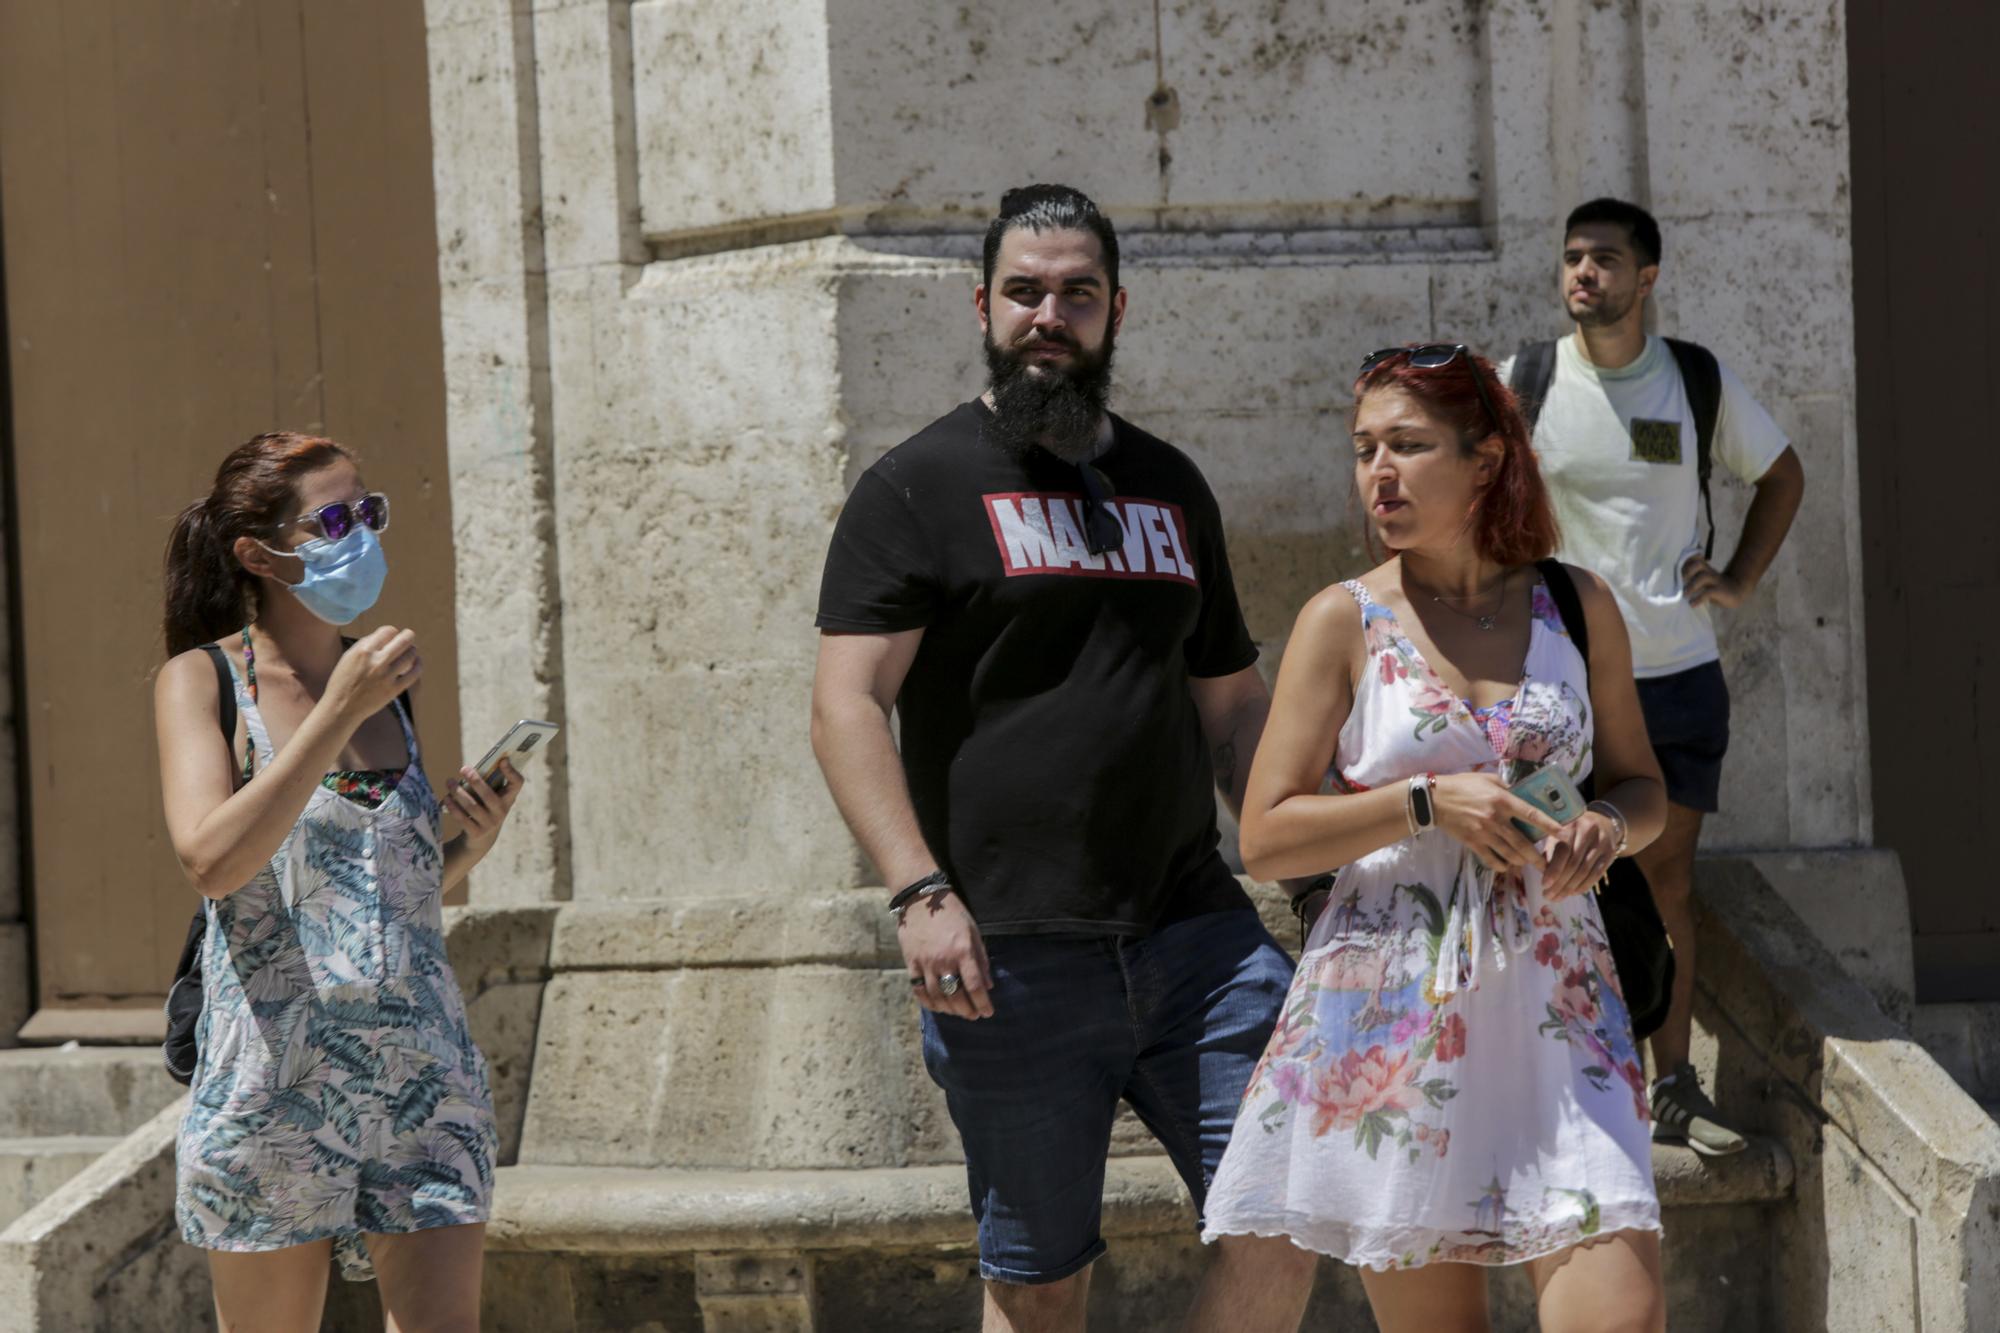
(1453, 1078)
(337, 1089)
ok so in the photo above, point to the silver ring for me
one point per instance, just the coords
(948, 984)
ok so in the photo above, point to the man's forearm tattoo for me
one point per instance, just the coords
(1225, 766)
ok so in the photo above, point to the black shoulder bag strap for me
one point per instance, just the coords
(1534, 371)
(1570, 607)
(225, 694)
(1640, 946)
(1701, 380)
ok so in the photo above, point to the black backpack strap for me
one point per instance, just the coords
(1534, 371)
(225, 693)
(1701, 380)
(1569, 606)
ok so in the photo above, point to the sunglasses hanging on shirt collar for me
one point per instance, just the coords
(1102, 532)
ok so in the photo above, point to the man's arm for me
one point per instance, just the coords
(1232, 709)
(1775, 505)
(854, 688)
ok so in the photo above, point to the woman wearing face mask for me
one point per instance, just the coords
(1454, 1082)
(338, 1100)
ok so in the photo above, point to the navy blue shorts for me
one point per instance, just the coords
(1687, 718)
(1173, 1023)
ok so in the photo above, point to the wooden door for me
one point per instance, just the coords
(217, 219)
(1926, 156)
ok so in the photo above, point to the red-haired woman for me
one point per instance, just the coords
(1453, 1082)
(337, 1096)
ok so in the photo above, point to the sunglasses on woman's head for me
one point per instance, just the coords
(336, 520)
(1429, 356)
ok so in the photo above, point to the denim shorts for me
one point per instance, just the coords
(1172, 1022)
(1687, 718)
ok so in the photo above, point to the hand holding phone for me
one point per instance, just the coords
(523, 739)
(1550, 791)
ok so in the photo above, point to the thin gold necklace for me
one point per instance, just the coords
(1486, 620)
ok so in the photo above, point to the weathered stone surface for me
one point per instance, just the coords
(494, 320)
(98, 1090)
(97, 1253)
(614, 1210)
(806, 1066)
(762, 1293)
(1965, 1038)
(16, 1001)
(767, 929)
(1898, 1169)
(31, 1169)
(770, 154)
(498, 946)
(1767, 80)
(1855, 903)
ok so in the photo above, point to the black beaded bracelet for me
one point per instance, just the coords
(932, 880)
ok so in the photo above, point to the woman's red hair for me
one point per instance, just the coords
(1512, 520)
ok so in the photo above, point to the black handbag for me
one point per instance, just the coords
(1640, 946)
(184, 995)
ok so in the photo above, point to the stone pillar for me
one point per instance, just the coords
(498, 410)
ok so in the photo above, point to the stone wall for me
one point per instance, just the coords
(704, 262)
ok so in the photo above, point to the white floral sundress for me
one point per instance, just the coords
(1453, 1078)
(337, 1089)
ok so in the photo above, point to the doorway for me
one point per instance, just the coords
(217, 219)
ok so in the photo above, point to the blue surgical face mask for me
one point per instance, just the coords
(343, 578)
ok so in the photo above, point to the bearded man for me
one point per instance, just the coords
(1040, 589)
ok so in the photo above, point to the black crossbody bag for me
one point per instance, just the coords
(1640, 945)
(184, 995)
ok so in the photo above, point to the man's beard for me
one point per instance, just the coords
(1060, 409)
(1608, 311)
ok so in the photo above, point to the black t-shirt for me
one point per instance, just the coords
(1052, 747)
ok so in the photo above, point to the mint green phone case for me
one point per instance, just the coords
(1550, 791)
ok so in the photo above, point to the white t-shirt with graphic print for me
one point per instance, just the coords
(1617, 448)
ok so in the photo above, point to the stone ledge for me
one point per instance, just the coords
(844, 928)
(622, 1210)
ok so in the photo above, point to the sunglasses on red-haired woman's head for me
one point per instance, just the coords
(1429, 356)
(336, 520)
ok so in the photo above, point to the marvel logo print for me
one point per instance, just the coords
(1042, 533)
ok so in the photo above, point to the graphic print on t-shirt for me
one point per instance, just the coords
(1042, 533)
(1656, 441)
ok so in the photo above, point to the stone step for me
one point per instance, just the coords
(1964, 1037)
(89, 1090)
(31, 1169)
(631, 1210)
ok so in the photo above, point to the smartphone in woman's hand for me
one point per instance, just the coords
(523, 739)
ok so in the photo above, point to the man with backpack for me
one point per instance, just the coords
(1627, 425)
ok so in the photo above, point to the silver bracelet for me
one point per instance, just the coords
(1617, 818)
